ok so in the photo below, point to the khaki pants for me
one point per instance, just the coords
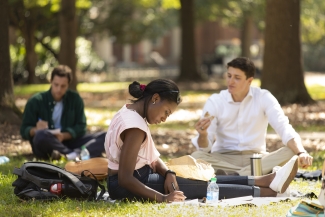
(239, 161)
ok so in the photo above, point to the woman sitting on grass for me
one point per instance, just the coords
(135, 170)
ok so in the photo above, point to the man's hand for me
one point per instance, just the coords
(63, 136)
(202, 125)
(59, 136)
(305, 160)
(41, 125)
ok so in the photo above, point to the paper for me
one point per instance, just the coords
(247, 200)
(55, 131)
(256, 201)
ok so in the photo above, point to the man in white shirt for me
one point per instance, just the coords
(237, 126)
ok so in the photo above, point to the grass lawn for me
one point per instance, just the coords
(10, 205)
(317, 92)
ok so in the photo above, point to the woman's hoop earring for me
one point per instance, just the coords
(154, 102)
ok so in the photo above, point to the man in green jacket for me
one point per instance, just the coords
(54, 121)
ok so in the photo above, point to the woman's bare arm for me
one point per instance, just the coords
(132, 140)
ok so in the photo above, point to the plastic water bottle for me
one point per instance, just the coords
(4, 159)
(213, 191)
(84, 155)
(68, 189)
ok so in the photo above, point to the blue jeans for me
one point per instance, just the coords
(229, 186)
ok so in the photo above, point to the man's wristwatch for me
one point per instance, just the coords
(169, 171)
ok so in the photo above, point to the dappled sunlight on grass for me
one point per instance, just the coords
(194, 97)
(99, 117)
(102, 87)
(82, 87)
(103, 117)
(30, 89)
(182, 115)
(317, 92)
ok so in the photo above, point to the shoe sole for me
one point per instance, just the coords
(290, 177)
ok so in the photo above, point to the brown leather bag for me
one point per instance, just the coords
(97, 166)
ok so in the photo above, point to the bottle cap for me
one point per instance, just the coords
(214, 179)
(83, 147)
(56, 188)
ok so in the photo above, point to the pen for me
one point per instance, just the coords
(173, 186)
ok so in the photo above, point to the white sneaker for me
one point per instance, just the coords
(285, 175)
(276, 168)
(287, 193)
(71, 156)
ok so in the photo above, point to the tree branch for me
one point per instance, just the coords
(47, 47)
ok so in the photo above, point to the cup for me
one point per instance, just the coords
(256, 165)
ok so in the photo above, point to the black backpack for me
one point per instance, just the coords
(44, 181)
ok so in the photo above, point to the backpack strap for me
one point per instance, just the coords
(23, 172)
(103, 190)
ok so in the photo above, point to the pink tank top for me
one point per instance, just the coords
(125, 119)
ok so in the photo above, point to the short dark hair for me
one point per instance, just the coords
(62, 71)
(244, 64)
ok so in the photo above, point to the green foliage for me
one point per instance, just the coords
(231, 12)
(171, 4)
(88, 60)
(313, 22)
(319, 157)
(131, 21)
(313, 34)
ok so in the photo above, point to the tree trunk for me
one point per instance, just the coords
(282, 71)
(247, 35)
(7, 101)
(31, 56)
(68, 35)
(188, 66)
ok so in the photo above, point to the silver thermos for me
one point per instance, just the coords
(256, 165)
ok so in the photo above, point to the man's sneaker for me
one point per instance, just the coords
(285, 175)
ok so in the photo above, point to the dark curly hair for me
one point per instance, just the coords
(167, 90)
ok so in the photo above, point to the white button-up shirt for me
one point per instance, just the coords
(242, 126)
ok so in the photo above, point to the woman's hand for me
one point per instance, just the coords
(175, 196)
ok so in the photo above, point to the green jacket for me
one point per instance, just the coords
(41, 105)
